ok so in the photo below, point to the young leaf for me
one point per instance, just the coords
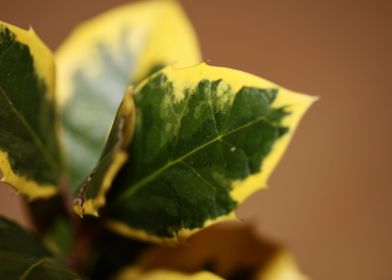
(30, 158)
(99, 60)
(23, 257)
(229, 250)
(206, 138)
(91, 195)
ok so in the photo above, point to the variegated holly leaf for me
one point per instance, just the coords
(23, 257)
(101, 58)
(206, 138)
(92, 193)
(30, 159)
(227, 251)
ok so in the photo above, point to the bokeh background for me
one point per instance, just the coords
(330, 198)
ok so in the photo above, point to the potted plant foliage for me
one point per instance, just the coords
(126, 127)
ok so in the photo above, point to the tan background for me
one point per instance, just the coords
(330, 199)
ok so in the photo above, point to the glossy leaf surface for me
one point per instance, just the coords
(30, 158)
(23, 257)
(206, 138)
(101, 58)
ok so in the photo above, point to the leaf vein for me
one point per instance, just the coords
(32, 267)
(34, 136)
(212, 110)
(133, 189)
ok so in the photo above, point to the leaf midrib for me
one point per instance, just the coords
(135, 187)
(37, 263)
(34, 136)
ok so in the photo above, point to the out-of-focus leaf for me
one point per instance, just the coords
(52, 223)
(23, 257)
(60, 237)
(113, 253)
(91, 195)
(30, 158)
(133, 274)
(206, 138)
(230, 250)
(102, 57)
(110, 253)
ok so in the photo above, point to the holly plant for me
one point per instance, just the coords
(125, 144)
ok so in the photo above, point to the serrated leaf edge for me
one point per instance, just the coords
(298, 104)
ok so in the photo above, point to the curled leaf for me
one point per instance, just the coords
(91, 196)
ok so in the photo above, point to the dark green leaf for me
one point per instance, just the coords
(29, 151)
(113, 253)
(23, 257)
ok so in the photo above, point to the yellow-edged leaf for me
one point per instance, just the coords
(30, 157)
(206, 138)
(91, 195)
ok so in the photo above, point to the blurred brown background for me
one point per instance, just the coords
(330, 198)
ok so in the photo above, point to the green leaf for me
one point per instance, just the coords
(206, 138)
(23, 257)
(229, 250)
(30, 158)
(51, 221)
(59, 240)
(90, 199)
(101, 58)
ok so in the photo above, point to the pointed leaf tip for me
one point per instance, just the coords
(206, 139)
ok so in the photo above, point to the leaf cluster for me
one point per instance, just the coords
(146, 143)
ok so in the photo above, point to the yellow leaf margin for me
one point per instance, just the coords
(126, 118)
(181, 78)
(44, 65)
(266, 259)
